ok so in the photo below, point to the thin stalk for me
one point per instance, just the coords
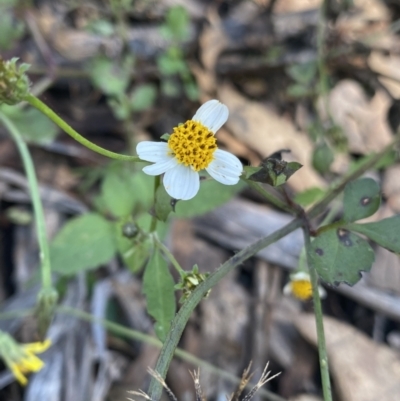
(182, 317)
(323, 355)
(44, 253)
(148, 339)
(35, 102)
(270, 197)
(153, 224)
(169, 255)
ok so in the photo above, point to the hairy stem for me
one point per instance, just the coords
(44, 253)
(35, 102)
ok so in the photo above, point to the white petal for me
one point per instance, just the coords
(182, 182)
(213, 114)
(161, 166)
(225, 168)
(152, 151)
(300, 276)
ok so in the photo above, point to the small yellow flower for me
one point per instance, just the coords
(21, 358)
(300, 287)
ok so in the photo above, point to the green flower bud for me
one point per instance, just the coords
(14, 83)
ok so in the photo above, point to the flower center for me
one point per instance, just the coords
(193, 145)
(302, 289)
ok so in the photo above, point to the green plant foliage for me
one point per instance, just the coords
(211, 195)
(303, 73)
(158, 286)
(309, 196)
(133, 249)
(322, 158)
(84, 242)
(385, 233)
(143, 97)
(163, 206)
(32, 124)
(176, 24)
(272, 171)
(108, 76)
(124, 191)
(10, 30)
(361, 199)
(340, 256)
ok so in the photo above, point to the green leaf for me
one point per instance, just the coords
(108, 76)
(361, 199)
(339, 256)
(309, 196)
(302, 73)
(177, 23)
(10, 30)
(158, 286)
(84, 242)
(322, 158)
(143, 97)
(32, 124)
(385, 233)
(163, 206)
(211, 195)
(124, 191)
(273, 171)
(117, 194)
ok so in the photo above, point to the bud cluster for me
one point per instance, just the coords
(14, 83)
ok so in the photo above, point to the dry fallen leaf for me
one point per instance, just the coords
(362, 369)
(263, 130)
(363, 122)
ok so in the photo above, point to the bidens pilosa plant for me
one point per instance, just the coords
(334, 250)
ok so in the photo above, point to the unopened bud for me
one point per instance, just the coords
(14, 83)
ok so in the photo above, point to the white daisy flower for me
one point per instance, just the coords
(192, 147)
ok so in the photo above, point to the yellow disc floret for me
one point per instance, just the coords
(301, 289)
(193, 145)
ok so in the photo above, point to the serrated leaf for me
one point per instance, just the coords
(84, 242)
(340, 256)
(163, 206)
(361, 199)
(158, 286)
(32, 124)
(385, 233)
(272, 171)
(211, 195)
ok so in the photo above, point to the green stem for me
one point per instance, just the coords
(145, 338)
(153, 224)
(323, 355)
(44, 253)
(35, 102)
(269, 197)
(182, 317)
(169, 255)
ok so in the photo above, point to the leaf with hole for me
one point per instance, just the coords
(361, 199)
(340, 256)
(385, 233)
